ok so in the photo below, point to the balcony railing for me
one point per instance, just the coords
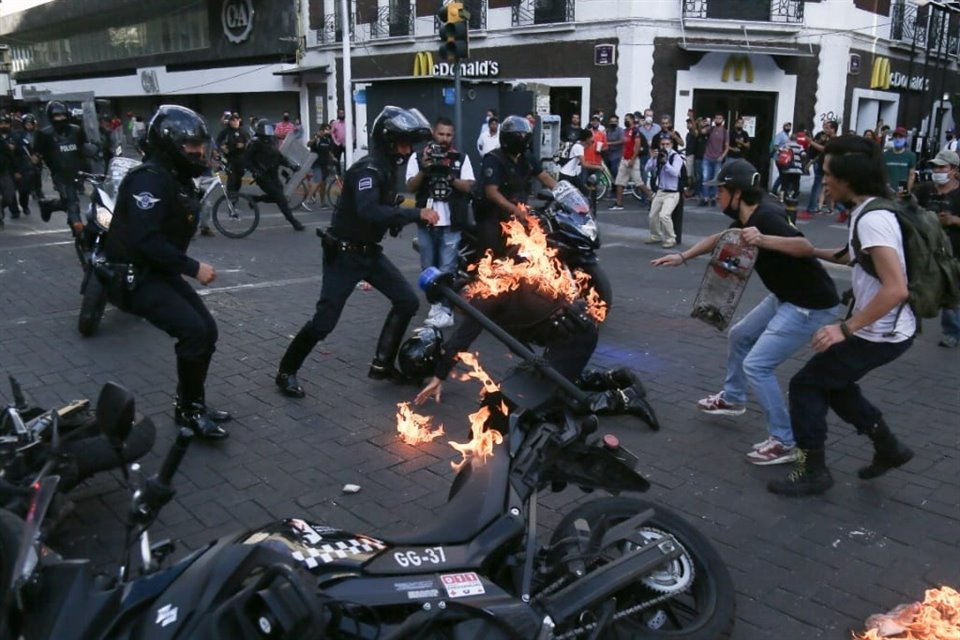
(394, 21)
(332, 31)
(924, 29)
(478, 15)
(532, 12)
(781, 11)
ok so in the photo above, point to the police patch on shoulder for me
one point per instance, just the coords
(488, 172)
(364, 184)
(145, 200)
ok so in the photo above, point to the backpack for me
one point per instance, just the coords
(563, 152)
(933, 273)
(784, 158)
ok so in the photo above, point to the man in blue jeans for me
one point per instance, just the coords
(441, 177)
(714, 154)
(802, 299)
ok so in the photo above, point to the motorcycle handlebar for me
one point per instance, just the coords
(174, 457)
(92, 177)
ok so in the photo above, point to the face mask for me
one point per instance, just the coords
(899, 143)
(648, 120)
(786, 129)
(732, 211)
(940, 178)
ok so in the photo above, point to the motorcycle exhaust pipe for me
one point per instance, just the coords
(436, 284)
(602, 583)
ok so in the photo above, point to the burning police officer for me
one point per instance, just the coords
(62, 146)
(156, 216)
(352, 252)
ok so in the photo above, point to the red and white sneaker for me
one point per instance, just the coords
(716, 405)
(774, 452)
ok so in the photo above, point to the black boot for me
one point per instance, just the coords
(810, 476)
(47, 207)
(387, 347)
(607, 379)
(629, 400)
(301, 346)
(888, 453)
(190, 411)
(217, 415)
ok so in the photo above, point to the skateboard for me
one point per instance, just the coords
(725, 279)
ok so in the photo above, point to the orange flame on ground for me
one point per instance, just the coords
(480, 446)
(414, 428)
(538, 267)
(936, 618)
(470, 359)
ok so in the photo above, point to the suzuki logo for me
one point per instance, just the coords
(739, 64)
(880, 74)
(423, 64)
(167, 614)
(236, 16)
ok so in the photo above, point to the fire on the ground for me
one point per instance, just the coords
(936, 618)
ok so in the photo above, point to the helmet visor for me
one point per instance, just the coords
(266, 130)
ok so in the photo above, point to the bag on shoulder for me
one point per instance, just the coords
(563, 153)
(933, 272)
(784, 158)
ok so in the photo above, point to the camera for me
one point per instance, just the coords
(437, 158)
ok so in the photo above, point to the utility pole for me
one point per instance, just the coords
(347, 83)
(454, 35)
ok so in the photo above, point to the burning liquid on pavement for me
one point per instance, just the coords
(936, 618)
(414, 428)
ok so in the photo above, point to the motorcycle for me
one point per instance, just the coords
(97, 272)
(66, 441)
(614, 567)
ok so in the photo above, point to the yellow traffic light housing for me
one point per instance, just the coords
(454, 32)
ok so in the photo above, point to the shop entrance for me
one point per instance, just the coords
(761, 106)
(564, 102)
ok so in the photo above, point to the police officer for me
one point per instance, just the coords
(352, 251)
(61, 146)
(154, 220)
(8, 150)
(27, 163)
(505, 179)
(232, 142)
(568, 335)
(263, 159)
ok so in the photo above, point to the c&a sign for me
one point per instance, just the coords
(423, 65)
(236, 17)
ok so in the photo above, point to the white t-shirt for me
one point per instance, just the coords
(487, 142)
(572, 167)
(442, 208)
(879, 228)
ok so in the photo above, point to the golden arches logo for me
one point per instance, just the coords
(880, 74)
(740, 65)
(423, 64)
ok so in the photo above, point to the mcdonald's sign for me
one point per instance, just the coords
(880, 74)
(740, 65)
(423, 64)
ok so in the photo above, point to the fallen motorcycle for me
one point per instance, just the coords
(613, 568)
(67, 441)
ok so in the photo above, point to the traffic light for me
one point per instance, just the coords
(453, 31)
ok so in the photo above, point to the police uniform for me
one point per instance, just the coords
(62, 151)
(513, 178)
(263, 159)
(233, 143)
(8, 190)
(29, 181)
(352, 252)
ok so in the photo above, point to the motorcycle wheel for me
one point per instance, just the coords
(92, 306)
(11, 528)
(600, 281)
(703, 601)
(237, 219)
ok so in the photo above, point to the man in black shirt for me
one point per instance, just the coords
(62, 146)
(739, 145)
(802, 299)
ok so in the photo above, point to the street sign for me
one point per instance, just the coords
(604, 54)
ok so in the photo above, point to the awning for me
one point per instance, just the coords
(323, 69)
(746, 49)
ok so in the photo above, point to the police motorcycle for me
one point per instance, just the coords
(68, 441)
(97, 273)
(614, 567)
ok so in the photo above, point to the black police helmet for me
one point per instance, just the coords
(5, 119)
(170, 129)
(515, 134)
(263, 128)
(29, 119)
(417, 357)
(396, 125)
(55, 109)
(737, 174)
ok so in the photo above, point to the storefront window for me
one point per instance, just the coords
(185, 31)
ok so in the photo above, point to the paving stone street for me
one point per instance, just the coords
(803, 569)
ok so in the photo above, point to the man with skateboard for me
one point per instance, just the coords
(802, 299)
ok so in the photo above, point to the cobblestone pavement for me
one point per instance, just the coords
(812, 568)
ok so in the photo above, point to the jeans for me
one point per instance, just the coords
(829, 381)
(950, 322)
(812, 205)
(438, 247)
(710, 170)
(768, 335)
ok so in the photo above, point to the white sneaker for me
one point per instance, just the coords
(434, 309)
(441, 320)
(774, 453)
(765, 443)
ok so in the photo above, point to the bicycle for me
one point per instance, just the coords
(234, 215)
(299, 197)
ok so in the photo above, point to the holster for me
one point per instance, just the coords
(330, 245)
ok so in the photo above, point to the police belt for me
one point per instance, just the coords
(330, 241)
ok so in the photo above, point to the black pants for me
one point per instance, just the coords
(829, 381)
(170, 303)
(490, 236)
(570, 354)
(8, 193)
(273, 189)
(340, 278)
(25, 186)
(235, 175)
(69, 198)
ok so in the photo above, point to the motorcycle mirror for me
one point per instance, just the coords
(115, 413)
(44, 490)
(19, 401)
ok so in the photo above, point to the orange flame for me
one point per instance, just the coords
(414, 428)
(936, 618)
(481, 444)
(470, 359)
(537, 266)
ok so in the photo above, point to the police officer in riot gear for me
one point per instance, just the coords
(352, 252)
(156, 215)
(61, 145)
(263, 159)
(232, 142)
(8, 152)
(27, 163)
